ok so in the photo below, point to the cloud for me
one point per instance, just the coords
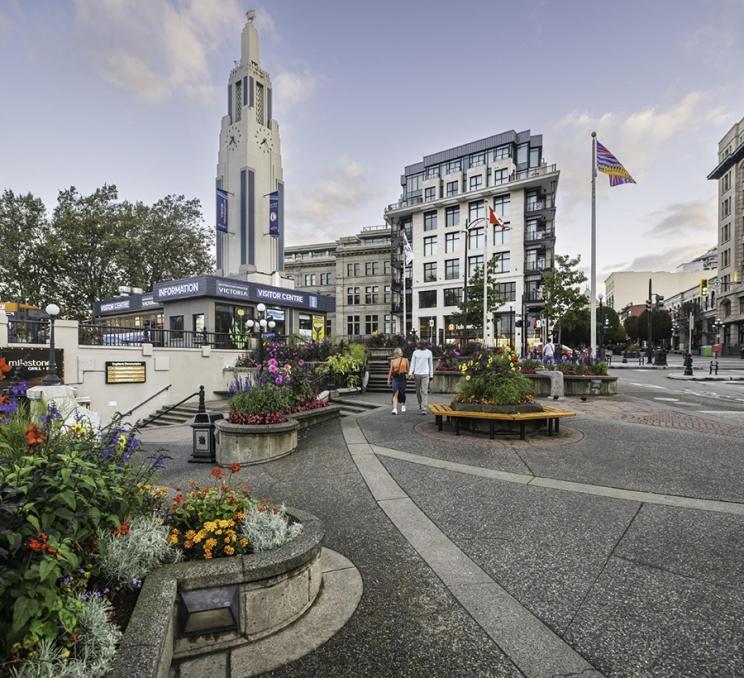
(667, 260)
(294, 88)
(695, 216)
(317, 212)
(156, 48)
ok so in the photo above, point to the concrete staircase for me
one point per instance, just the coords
(352, 407)
(183, 414)
(378, 362)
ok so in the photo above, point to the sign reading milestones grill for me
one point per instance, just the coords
(30, 364)
(125, 372)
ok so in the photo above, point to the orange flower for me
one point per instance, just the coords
(229, 550)
(246, 489)
(34, 435)
(234, 468)
(4, 368)
(217, 472)
(122, 529)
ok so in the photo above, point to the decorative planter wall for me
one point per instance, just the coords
(276, 587)
(445, 381)
(574, 385)
(253, 444)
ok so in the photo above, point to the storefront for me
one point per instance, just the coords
(222, 310)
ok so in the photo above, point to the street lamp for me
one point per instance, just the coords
(718, 324)
(601, 328)
(52, 378)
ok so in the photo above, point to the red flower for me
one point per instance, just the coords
(234, 468)
(4, 368)
(122, 529)
(217, 472)
(34, 435)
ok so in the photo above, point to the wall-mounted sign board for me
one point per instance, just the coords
(125, 372)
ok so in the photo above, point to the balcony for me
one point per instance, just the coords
(539, 236)
(541, 206)
(523, 175)
(537, 265)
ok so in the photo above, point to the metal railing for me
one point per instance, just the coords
(94, 334)
(530, 235)
(28, 331)
(514, 176)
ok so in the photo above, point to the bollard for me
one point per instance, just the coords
(716, 368)
(710, 367)
(688, 365)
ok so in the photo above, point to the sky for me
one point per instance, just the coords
(131, 92)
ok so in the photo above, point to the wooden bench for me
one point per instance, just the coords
(550, 415)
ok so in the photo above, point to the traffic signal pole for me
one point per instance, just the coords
(649, 311)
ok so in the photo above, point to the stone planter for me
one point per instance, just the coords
(445, 381)
(275, 588)
(575, 385)
(254, 444)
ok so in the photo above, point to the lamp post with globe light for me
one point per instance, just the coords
(260, 325)
(52, 378)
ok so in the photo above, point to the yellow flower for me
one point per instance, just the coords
(218, 532)
(229, 550)
(173, 539)
(210, 543)
(225, 523)
(207, 555)
(188, 544)
(244, 541)
(467, 378)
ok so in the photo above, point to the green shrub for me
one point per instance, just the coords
(261, 399)
(491, 377)
(599, 369)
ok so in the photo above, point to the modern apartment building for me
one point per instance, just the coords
(730, 176)
(443, 201)
(356, 270)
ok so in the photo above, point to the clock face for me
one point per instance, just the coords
(234, 136)
(264, 140)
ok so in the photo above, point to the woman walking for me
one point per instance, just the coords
(397, 375)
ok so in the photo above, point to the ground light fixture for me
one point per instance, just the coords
(52, 378)
(205, 611)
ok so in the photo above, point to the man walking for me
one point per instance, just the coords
(422, 369)
(549, 352)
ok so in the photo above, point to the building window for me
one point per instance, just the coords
(476, 182)
(535, 157)
(452, 296)
(500, 176)
(500, 235)
(430, 246)
(197, 322)
(238, 100)
(503, 152)
(430, 221)
(352, 296)
(413, 183)
(372, 268)
(454, 166)
(430, 272)
(386, 267)
(522, 154)
(477, 159)
(451, 269)
(428, 299)
(451, 188)
(476, 210)
(474, 263)
(352, 270)
(432, 172)
(725, 258)
(502, 262)
(176, 326)
(259, 103)
(371, 294)
(309, 279)
(451, 242)
(502, 206)
(452, 216)
(388, 324)
(352, 325)
(506, 292)
(325, 278)
(388, 294)
(475, 238)
(430, 193)
(371, 324)
(726, 233)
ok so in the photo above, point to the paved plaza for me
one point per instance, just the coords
(615, 549)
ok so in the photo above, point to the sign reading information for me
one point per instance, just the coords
(125, 372)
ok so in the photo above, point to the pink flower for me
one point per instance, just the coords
(273, 362)
(273, 369)
(300, 362)
(279, 380)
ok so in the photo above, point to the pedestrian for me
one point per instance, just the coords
(422, 370)
(549, 352)
(397, 375)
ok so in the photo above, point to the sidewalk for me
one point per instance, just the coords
(616, 553)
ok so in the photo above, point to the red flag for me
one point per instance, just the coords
(494, 218)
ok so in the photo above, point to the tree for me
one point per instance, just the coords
(661, 326)
(474, 317)
(576, 325)
(562, 290)
(23, 262)
(168, 240)
(631, 327)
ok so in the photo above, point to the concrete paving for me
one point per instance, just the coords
(614, 550)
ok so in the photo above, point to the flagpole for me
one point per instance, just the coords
(593, 292)
(405, 334)
(485, 277)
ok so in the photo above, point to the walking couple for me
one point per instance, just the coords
(421, 368)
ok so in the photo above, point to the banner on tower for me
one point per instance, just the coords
(221, 210)
(274, 214)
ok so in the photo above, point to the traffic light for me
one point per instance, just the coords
(659, 302)
(518, 323)
(704, 287)
(648, 306)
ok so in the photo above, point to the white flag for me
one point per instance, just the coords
(407, 250)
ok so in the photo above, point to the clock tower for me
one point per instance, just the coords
(249, 169)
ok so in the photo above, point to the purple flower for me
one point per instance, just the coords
(279, 380)
(126, 457)
(159, 463)
(19, 389)
(273, 369)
